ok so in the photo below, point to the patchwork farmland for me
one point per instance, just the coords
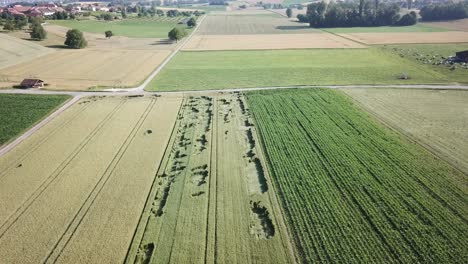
(254, 139)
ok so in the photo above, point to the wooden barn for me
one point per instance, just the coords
(462, 55)
(32, 83)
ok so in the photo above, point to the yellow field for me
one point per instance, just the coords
(269, 41)
(76, 188)
(408, 37)
(87, 68)
(14, 50)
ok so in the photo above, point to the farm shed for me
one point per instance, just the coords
(462, 55)
(32, 83)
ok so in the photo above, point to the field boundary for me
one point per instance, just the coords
(43, 141)
(293, 246)
(151, 193)
(336, 34)
(54, 175)
(39, 124)
(408, 136)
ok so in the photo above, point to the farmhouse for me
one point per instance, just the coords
(462, 55)
(32, 83)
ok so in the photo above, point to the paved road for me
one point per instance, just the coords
(134, 91)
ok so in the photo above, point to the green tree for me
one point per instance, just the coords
(192, 22)
(20, 22)
(289, 12)
(9, 26)
(75, 39)
(109, 34)
(38, 32)
(177, 34)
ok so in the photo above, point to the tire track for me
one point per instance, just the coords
(23, 208)
(162, 166)
(65, 238)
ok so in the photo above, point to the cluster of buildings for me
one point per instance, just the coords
(33, 11)
(51, 8)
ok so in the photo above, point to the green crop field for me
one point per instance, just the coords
(19, 112)
(133, 27)
(235, 69)
(386, 29)
(352, 190)
(433, 55)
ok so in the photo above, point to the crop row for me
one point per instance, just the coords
(354, 191)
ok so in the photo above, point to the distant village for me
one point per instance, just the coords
(50, 9)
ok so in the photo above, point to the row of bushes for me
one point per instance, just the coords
(364, 14)
(447, 11)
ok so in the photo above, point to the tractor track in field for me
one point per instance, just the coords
(10, 221)
(67, 235)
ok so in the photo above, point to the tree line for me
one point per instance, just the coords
(350, 14)
(446, 11)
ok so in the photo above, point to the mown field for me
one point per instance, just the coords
(133, 28)
(352, 190)
(87, 68)
(74, 191)
(434, 56)
(14, 50)
(269, 42)
(262, 22)
(236, 69)
(386, 29)
(437, 119)
(19, 112)
(211, 200)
